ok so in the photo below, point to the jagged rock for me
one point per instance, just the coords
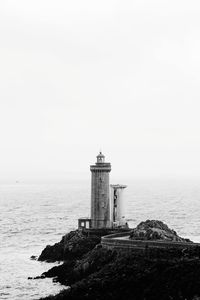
(158, 273)
(73, 245)
(106, 274)
(155, 230)
(53, 253)
(79, 244)
(33, 257)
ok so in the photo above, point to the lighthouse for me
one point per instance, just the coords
(100, 193)
(107, 201)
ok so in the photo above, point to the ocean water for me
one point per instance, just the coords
(34, 215)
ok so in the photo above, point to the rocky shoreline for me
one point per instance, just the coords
(92, 272)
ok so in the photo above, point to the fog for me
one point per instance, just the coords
(80, 76)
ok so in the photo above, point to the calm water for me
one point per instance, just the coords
(34, 215)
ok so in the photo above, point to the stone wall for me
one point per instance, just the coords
(119, 241)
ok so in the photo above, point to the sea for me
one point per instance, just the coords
(33, 215)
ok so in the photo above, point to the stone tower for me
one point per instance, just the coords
(117, 205)
(100, 202)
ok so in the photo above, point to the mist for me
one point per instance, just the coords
(80, 76)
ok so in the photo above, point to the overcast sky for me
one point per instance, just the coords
(79, 76)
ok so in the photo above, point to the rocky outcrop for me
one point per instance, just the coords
(106, 274)
(92, 272)
(73, 245)
(155, 230)
(72, 271)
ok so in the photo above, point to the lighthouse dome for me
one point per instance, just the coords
(100, 158)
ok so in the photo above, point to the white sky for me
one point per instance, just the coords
(77, 76)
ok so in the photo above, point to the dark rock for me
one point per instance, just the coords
(73, 245)
(33, 257)
(37, 277)
(118, 275)
(92, 272)
(52, 253)
(155, 230)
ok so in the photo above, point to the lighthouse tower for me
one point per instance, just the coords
(100, 200)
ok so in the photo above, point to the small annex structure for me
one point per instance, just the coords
(107, 205)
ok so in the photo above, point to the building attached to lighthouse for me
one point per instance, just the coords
(117, 216)
(107, 205)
